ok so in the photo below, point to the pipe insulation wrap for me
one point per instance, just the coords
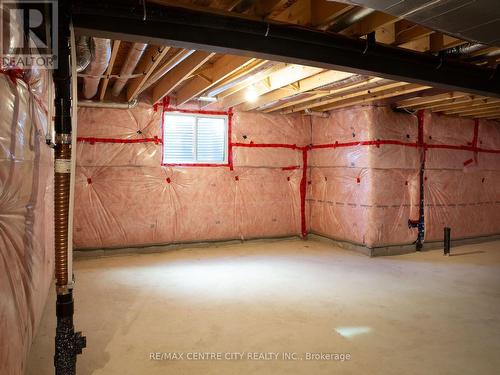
(101, 53)
(133, 57)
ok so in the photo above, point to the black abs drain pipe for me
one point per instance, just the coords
(447, 240)
(68, 343)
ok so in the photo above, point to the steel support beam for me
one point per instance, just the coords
(226, 33)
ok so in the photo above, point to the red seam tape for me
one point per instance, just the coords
(303, 191)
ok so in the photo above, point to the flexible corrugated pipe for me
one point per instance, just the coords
(101, 53)
(133, 57)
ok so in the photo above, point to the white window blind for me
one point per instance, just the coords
(189, 138)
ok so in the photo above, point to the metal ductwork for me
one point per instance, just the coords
(350, 18)
(101, 53)
(83, 53)
(133, 57)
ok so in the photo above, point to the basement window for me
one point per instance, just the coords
(195, 139)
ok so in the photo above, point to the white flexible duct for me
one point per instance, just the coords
(133, 57)
(98, 65)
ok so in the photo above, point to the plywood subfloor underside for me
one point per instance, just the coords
(419, 313)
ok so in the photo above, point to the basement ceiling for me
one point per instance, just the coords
(473, 20)
(213, 80)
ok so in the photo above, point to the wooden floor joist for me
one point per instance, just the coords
(459, 103)
(373, 96)
(220, 70)
(289, 88)
(474, 108)
(301, 86)
(146, 66)
(317, 94)
(346, 95)
(419, 101)
(105, 81)
(284, 77)
(178, 74)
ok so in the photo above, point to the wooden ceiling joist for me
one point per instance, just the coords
(476, 111)
(410, 103)
(458, 103)
(443, 102)
(406, 31)
(185, 69)
(148, 63)
(481, 104)
(439, 42)
(324, 13)
(373, 96)
(306, 84)
(289, 88)
(345, 94)
(263, 8)
(279, 79)
(368, 24)
(342, 88)
(220, 70)
(295, 11)
(255, 75)
(105, 81)
(489, 115)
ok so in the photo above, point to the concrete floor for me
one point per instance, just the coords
(420, 313)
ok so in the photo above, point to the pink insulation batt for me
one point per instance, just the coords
(362, 179)
(363, 193)
(124, 197)
(26, 215)
(462, 188)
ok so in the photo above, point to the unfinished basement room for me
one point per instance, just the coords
(249, 187)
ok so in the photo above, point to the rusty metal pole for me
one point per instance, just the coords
(67, 343)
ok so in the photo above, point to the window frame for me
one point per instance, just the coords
(197, 114)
